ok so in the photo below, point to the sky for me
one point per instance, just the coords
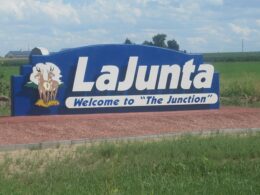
(197, 25)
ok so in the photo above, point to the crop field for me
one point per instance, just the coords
(215, 164)
(239, 83)
(232, 57)
(239, 77)
(8, 67)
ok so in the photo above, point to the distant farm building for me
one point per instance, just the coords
(18, 54)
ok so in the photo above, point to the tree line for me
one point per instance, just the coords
(159, 40)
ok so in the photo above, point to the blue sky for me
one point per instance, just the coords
(197, 25)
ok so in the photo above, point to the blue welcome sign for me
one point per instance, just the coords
(114, 78)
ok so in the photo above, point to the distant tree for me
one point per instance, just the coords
(147, 43)
(128, 41)
(159, 40)
(172, 44)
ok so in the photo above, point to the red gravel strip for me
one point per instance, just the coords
(21, 130)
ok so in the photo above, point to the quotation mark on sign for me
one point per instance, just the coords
(210, 95)
(143, 97)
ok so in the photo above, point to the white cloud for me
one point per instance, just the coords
(243, 31)
(13, 7)
(111, 11)
(33, 10)
(198, 25)
(58, 10)
(214, 32)
(197, 40)
(161, 2)
(216, 2)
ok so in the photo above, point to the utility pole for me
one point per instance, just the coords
(242, 45)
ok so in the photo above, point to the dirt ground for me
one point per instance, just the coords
(21, 130)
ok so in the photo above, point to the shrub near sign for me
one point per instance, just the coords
(114, 78)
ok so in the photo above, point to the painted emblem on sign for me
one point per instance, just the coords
(46, 78)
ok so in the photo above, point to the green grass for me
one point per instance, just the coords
(13, 61)
(234, 70)
(232, 57)
(5, 78)
(5, 110)
(239, 83)
(8, 67)
(220, 164)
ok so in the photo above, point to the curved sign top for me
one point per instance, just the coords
(114, 78)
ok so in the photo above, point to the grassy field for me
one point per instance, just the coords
(8, 67)
(232, 57)
(239, 81)
(239, 77)
(6, 71)
(219, 164)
